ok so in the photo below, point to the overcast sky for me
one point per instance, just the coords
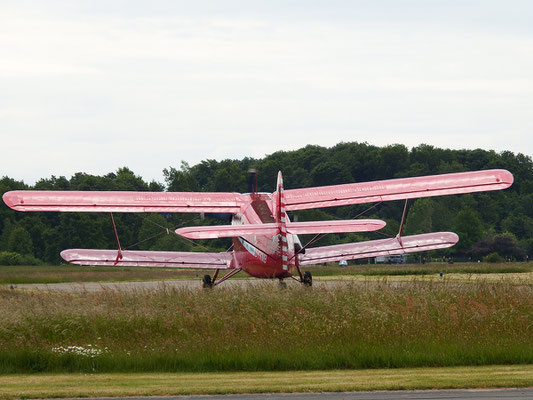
(94, 85)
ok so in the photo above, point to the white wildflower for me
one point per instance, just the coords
(89, 351)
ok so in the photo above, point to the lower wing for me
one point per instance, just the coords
(382, 247)
(134, 258)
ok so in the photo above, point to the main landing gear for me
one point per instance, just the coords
(308, 279)
(208, 282)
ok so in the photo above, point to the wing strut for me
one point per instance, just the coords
(399, 235)
(228, 275)
(119, 254)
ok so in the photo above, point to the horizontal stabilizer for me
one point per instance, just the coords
(270, 229)
(135, 258)
(397, 189)
(99, 201)
(335, 226)
(219, 231)
(382, 247)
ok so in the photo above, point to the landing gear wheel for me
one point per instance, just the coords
(282, 283)
(308, 279)
(207, 282)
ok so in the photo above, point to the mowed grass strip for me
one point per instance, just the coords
(139, 384)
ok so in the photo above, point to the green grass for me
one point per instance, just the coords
(164, 384)
(262, 328)
(422, 269)
(12, 275)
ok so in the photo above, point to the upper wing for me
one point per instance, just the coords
(134, 258)
(382, 247)
(95, 201)
(271, 229)
(397, 189)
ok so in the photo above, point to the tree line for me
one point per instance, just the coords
(496, 224)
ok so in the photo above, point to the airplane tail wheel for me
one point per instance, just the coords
(308, 279)
(207, 282)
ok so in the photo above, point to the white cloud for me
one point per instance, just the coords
(87, 90)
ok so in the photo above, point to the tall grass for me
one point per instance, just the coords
(369, 325)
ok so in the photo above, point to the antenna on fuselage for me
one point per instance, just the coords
(252, 180)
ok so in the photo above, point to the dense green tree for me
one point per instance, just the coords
(152, 227)
(393, 161)
(53, 183)
(19, 241)
(330, 173)
(127, 180)
(420, 217)
(474, 217)
(229, 178)
(470, 229)
(180, 180)
(506, 245)
(519, 225)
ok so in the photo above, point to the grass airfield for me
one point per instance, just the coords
(12, 275)
(166, 384)
(472, 328)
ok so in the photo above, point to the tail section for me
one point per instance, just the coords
(280, 217)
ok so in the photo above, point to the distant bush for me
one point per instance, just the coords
(30, 260)
(12, 258)
(493, 258)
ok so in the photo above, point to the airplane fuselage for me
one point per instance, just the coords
(258, 255)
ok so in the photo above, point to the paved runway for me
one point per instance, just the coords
(507, 394)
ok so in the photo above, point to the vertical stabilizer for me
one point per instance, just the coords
(281, 221)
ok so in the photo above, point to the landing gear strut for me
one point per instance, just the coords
(208, 282)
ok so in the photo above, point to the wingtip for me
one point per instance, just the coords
(506, 177)
(454, 237)
(185, 232)
(10, 199)
(66, 255)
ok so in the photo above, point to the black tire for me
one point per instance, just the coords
(207, 282)
(308, 279)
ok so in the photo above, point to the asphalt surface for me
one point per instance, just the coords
(507, 394)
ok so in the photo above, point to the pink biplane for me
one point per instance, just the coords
(265, 241)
